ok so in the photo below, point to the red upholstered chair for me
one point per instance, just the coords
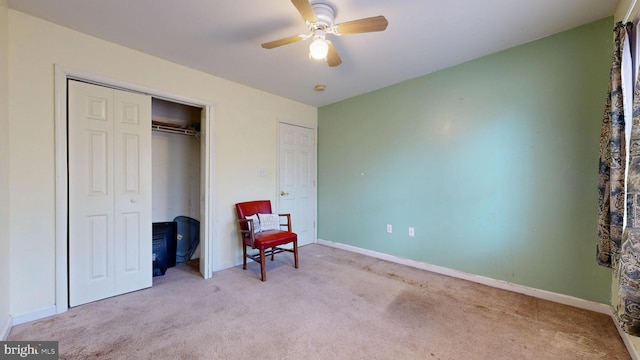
(268, 241)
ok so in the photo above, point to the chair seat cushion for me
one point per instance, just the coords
(271, 238)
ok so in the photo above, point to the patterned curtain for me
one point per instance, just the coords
(616, 248)
(611, 187)
(628, 307)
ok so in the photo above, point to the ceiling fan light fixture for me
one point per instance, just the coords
(325, 12)
(319, 48)
(319, 16)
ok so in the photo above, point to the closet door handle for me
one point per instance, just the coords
(282, 193)
(133, 200)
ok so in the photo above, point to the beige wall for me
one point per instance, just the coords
(245, 140)
(4, 172)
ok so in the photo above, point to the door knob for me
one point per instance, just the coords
(282, 193)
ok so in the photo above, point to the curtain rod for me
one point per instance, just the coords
(627, 16)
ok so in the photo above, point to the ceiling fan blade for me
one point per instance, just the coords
(305, 9)
(371, 24)
(333, 59)
(284, 41)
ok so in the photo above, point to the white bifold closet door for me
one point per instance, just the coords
(110, 227)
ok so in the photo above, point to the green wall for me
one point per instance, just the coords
(494, 162)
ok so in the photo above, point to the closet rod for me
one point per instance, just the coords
(174, 130)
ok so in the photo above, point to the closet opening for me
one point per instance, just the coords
(176, 184)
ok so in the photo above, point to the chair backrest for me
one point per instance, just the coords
(248, 208)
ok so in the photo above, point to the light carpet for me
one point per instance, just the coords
(337, 305)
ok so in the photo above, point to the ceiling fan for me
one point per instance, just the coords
(319, 16)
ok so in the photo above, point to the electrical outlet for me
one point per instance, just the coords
(389, 228)
(412, 232)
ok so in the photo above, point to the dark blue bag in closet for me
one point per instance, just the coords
(188, 237)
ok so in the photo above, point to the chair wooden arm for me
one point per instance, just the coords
(288, 222)
(247, 233)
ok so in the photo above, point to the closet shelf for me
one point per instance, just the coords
(173, 129)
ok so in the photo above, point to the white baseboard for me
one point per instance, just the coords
(631, 342)
(500, 284)
(5, 329)
(34, 315)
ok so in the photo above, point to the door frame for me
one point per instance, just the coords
(314, 166)
(62, 74)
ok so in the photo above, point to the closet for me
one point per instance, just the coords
(109, 164)
(176, 152)
(125, 159)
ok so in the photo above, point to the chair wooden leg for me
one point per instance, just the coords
(272, 253)
(244, 257)
(295, 253)
(263, 272)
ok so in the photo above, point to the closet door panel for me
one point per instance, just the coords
(134, 265)
(91, 207)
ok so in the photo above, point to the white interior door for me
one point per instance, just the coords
(109, 150)
(297, 179)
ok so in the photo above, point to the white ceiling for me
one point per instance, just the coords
(223, 37)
